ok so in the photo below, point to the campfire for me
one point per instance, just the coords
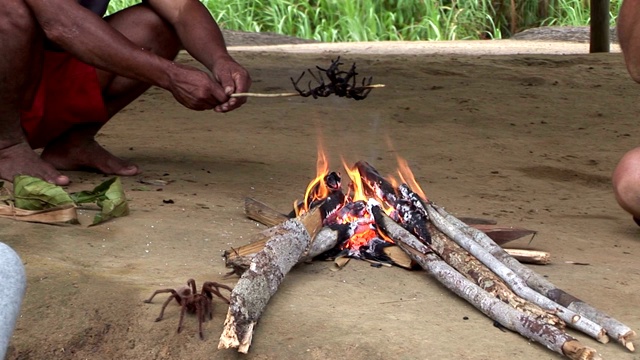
(350, 213)
(374, 214)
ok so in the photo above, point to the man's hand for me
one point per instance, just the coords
(234, 79)
(197, 90)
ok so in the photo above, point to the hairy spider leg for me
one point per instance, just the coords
(174, 295)
(192, 284)
(214, 287)
(200, 313)
(183, 310)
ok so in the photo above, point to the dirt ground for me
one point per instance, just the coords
(527, 139)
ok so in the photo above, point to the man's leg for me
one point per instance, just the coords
(629, 36)
(626, 177)
(14, 282)
(77, 148)
(626, 183)
(21, 42)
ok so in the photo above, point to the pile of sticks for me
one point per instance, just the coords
(461, 257)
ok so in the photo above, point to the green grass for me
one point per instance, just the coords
(371, 20)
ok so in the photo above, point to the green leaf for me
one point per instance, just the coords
(109, 196)
(31, 193)
(99, 192)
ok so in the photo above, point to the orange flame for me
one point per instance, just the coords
(356, 183)
(317, 188)
(406, 176)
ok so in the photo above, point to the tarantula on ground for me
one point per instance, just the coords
(193, 302)
(341, 83)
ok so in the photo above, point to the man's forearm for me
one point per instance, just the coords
(92, 40)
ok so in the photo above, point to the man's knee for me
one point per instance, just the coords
(143, 26)
(626, 182)
(16, 18)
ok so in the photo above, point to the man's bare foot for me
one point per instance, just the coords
(66, 154)
(20, 159)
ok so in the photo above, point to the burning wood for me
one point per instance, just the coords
(375, 215)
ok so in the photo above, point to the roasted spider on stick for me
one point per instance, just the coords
(340, 83)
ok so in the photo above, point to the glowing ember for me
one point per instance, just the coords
(350, 213)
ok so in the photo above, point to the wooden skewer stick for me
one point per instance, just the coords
(270, 95)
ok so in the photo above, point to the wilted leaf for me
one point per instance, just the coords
(31, 193)
(94, 195)
(109, 196)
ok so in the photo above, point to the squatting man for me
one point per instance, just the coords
(66, 71)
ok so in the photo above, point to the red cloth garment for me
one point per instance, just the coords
(69, 93)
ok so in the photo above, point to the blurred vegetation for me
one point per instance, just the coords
(371, 20)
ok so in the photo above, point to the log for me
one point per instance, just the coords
(267, 270)
(516, 283)
(619, 331)
(474, 270)
(262, 213)
(240, 258)
(534, 257)
(525, 256)
(526, 325)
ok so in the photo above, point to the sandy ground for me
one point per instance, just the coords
(527, 139)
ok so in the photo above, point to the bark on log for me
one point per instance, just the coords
(325, 240)
(265, 274)
(522, 323)
(516, 283)
(474, 270)
(619, 331)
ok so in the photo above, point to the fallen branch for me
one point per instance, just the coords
(526, 325)
(535, 257)
(240, 258)
(474, 270)
(262, 212)
(619, 331)
(266, 272)
(517, 284)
